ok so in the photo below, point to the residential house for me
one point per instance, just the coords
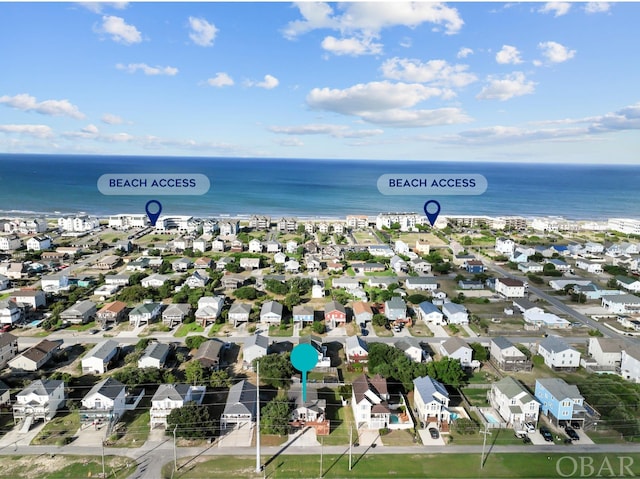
(510, 288)
(240, 408)
(100, 357)
(292, 266)
(421, 283)
(345, 282)
(560, 401)
(607, 352)
(108, 262)
(279, 258)
(229, 228)
(200, 244)
(411, 349)
(10, 242)
(232, 281)
(630, 363)
(455, 313)
(218, 245)
(474, 266)
(80, 313)
(36, 356)
(420, 265)
(175, 313)
(209, 309)
(291, 246)
(5, 394)
(255, 246)
(106, 401)
(557, 354)
(113, 312)
(315, 342)
(630, 284)
(250, 263)
(335, 314)
(431, 401)
(172, 396)
(117, 279)
(505, 246)
(154, 356)
(539, 317)
(38, 243)
(155, 280)
(40, 400)
(429, 312)
(16, 270)
(273, 246)
(209, 354)
(369, 402)
(10, 312)
(8, 348)
(31, 298)
(530, 267)
(356, 349)
(457, 348)
(303, 314)
(514, 403)
(395, 309)
(593, 291)
(203, 263)
(255, 346)
(398, 265)
(271, 313)
(362, 312)
(559, 265)
(198, 279)
(310, 412)
(470, 284)
(506, 356)
(5, 282)
(594, 267)
(621, 303)
(239, 313)
(145, 313)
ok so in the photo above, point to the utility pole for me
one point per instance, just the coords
(104, 474)
(258, 465)
(175, 450)
(321, 448)
(350, 444)
(484, 443)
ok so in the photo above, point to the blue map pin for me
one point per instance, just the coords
(432, 215)
(153, 217)
(304, 358)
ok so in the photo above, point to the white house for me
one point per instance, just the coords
(421, 283)
(209, 308)
(457, 348)
(429, 312)
(198, 279)
(40, 400)
(589, 266)
(431, 401)
(607, 352)
(455, 313)
(145, 313)
(106, 401)
(38, 243)
(255, 346)
(506, 356)
(10, 243)
(240, 408)
(505, 246)
(239, 313)
(154, 356)
(621, 303)
(97, 360)
(54, 283)
(539, 317)
(514, 403)
(630, 363)
(154, 281)
(255, 246)
(271, 313)
(79, 313)
(557, 354)
(369, 402)
(175, 313)
(172, 396)
(356, 349)
(411, 349)
(510, 288)
(10, 312)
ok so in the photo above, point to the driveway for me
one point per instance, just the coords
(428, 441)
(303, 438)
(239, 436)
(15, 437)
(368, 437)
(91, 435)
(437, 330)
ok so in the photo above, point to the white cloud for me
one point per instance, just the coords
(119, 30)
(436, 72)
(336, 131)
(371, 17)
(111, 119)
(290, 142)
(386, 103)
(557, 8)
(99, 7)
(509, 55)
(464, 52)
(555, 52)
(406, 42)
(221, 79)
(26, 102)
(147, 70)
(351, 46)
(507, 87)
(36, 131)
(202, 32)
(597, 7)
(268, 83)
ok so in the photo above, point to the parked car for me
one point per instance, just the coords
(526, 440)
(572, 433)
(434, 433)
(521, 434)
(546, 434)
(575, 424)
(529, 426)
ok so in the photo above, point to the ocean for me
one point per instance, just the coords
(305, 188)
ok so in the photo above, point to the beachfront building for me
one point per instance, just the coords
(407, 221)
(127, 221)
(78, 224)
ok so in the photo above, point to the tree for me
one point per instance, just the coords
(292, 299)
(191, 420)
(480, 353)
(379, 319)
(194, 372)
(194, 342)
(220, 379)
(448, 371)
(276, 369)
(276, 287)
(275, 416)
(246, 292)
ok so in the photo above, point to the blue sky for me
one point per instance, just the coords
(543, 82)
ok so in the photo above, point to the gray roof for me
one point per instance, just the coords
(7, 338)
(240, 308)
(451, 345)
(175, 392)
(428, 307)
(81, 307)
(271, 307)
(102, 349)
(554, 345)
(209, 350)
(109, 388)
(355, 342)
(502, 343)
(396, 302)
(157, 350)
(427, 387)
(256, 340)
(3, 388)
(453, 308)
(177, 309)
(313, 403)
(41, 388)
(241, 399)
(512, 388)
(559, 388)
(405, 343)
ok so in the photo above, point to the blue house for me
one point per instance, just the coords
(560, 401)
(474, 266)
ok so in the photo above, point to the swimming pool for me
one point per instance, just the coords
(490, 418)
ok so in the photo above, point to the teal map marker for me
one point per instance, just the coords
(304, 358)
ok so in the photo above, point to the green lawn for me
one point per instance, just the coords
(135, 431)
(53, 466)
(58, 431)
(449, 466)
(187, 328)
(477, 397)
(341, 418)
(279, 332)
